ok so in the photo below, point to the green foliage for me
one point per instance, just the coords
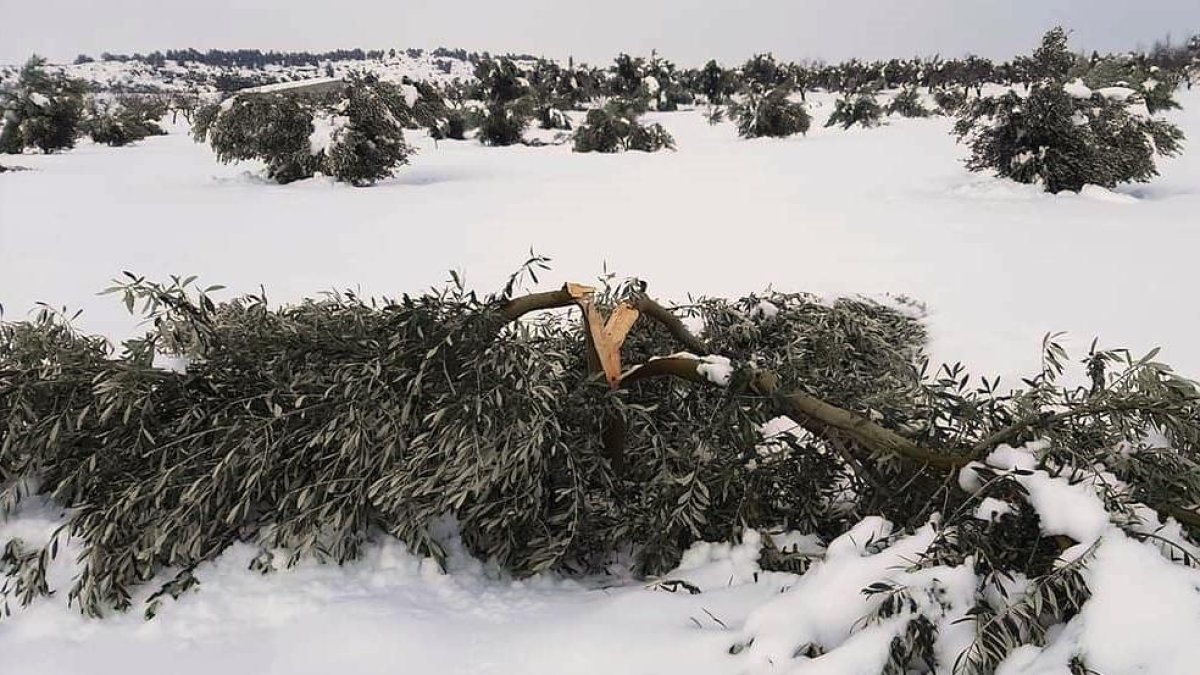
(44, 110)
(716, 83)
(310, 429)
(860, 109)
(365, 125)
(907, 104)
(1061, 139)
(552, 118)
(1155, 85)
(504, 124)
(124, 120)
(371, 144)
(272, 127)
(615, 128)
(770, 114)
(950, 101)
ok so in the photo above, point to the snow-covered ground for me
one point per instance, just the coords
(139, 76)
(880, 211)
(888, 210)
(391, 612)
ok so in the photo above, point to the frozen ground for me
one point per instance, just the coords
(887, 210)
(879, 211)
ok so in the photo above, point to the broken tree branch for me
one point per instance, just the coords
(822, 419)
(568, 295)
(652, 309)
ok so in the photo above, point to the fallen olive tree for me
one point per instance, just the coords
(555, 442)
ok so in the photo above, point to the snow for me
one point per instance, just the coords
(826, 607)
(1116, 93)
(325, 132)
(765, 310)
(710, 566)
(878, 211)
(411, 94)
(717, 612)
(1077, 89)
(1142, 617)
(1064, 508)
(39, 99)
(991, 508)
(717, 369)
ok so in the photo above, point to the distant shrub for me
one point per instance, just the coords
(1064, 135)
(355, 136)
(274, 128)
(370, 144)
(907, 104)
(454, 126)
(615, 128)
(550, 117)
(770, 114)
(44, 110)
(950, 101)
(860, 109)
(124, 121)
(503, 124)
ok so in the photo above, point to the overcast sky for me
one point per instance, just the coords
(687, 32)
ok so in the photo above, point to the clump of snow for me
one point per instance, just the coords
(825, 608)
(1077, 89)
(797, 542)
(411, 94)
(1015, 459)
(39, 99)
(717, 369)
(765, 310)
(326, 129)
(1103, 194)
(1116, 93)
(172, 363)
(710, 566)
(1142, 617)
(694, 324)
(1064, 508)
(991, 508)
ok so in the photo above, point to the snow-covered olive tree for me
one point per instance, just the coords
(1063, 134)
(355, 135)
(44, 110)
(124, 120)
(907, 103)
(616, 128)
(861, 109)
(770, 113)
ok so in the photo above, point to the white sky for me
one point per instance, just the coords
(595, 31)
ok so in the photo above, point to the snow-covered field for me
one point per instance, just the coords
(138, 76)
(880, 211)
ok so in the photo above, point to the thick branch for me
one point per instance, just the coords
(811, 413)
(518, 307)
(828, 422)
(674, 326)
(673, 366)
(820, 417)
